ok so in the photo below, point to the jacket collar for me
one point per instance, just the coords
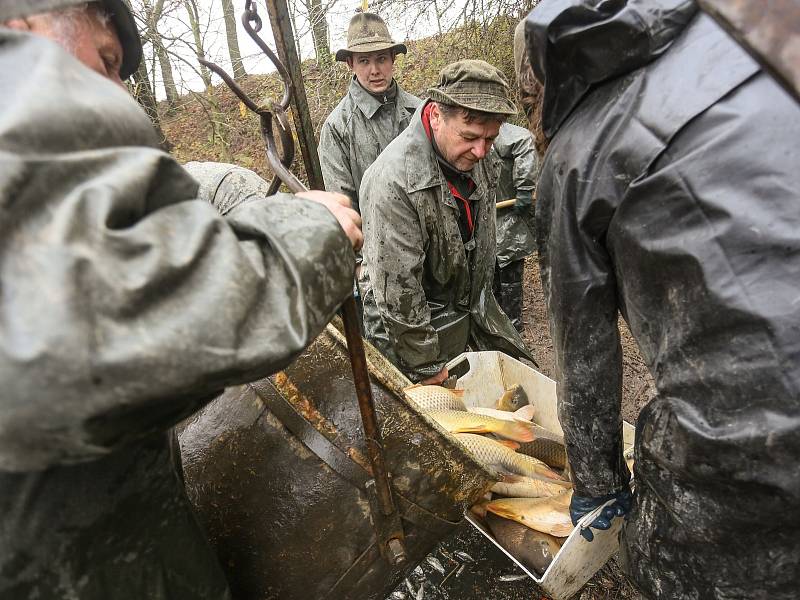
(369, 104)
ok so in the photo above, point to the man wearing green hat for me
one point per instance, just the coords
(428, 204)
(127, 304)
(374, 111)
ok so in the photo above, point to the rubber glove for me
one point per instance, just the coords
(524, 204)
(580, 506)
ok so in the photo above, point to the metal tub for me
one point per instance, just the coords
(276, 471)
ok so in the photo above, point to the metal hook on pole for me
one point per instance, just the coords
(386, 517)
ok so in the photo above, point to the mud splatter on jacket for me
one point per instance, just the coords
(356, 132)
(519, 169)
(225, 185)
(427, 294)
(126, 304)
(670, 193)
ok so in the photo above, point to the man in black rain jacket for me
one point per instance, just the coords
(670, 192)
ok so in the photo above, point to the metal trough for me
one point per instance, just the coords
(277, 471)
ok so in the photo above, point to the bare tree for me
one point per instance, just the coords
(152, 15)
(319, 29)
(141, 89)
(194, 23)
(232, 39)
(216, 117)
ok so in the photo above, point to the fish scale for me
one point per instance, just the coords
(498, 458)
(549, 451)
(548, 515)
(434, 397)
(456, 421)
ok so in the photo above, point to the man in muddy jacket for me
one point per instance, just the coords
(127, 304)
(428, 205)
(374, 111)
(670, 193)
(519, 168)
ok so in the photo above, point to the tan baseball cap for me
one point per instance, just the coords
(368, 33)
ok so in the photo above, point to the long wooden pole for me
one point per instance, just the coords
(281, 25)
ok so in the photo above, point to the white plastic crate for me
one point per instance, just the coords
(484, 376)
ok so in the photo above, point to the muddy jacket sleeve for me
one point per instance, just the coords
(226, 186)
(126, 302)
(516, 143)
(394, 253)
(334, 158)
(580, 288)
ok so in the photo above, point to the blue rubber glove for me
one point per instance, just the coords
(524, 204)
(580, 506)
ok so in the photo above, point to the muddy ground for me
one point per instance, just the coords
(489, 573)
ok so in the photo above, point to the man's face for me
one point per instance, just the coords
(374, 70)
(89, 36)
(462, 144)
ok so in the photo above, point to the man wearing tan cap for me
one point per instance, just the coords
(374, 111)
(428, 205)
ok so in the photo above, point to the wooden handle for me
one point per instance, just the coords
(506, 203)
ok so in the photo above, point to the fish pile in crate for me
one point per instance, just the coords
(527, 510)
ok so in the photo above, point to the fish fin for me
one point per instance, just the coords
(509, 444)
(517, 430)
(500, 509)
(525, 413)
(511, 477)
(457, 393)
(471, 429)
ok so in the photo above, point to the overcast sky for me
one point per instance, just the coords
(412, 21)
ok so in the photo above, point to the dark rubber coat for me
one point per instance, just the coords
(671, 193)
(126, 303)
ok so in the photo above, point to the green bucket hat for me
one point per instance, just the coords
(475, 85)
(368, 33)
(118, 10)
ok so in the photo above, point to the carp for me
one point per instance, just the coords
(517, 486)
(513, 398)
(456, 421)
(549, 451)
(500, 459)
(434, 397)
(521, 414)
(548, 515)
(534, 549)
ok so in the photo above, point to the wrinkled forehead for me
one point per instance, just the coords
(483, 128)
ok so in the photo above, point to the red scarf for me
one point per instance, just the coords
(426, 124)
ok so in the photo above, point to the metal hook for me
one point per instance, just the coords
(251, 14)
(386, 517)
(278, 163)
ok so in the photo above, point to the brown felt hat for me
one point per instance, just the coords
(368, 33)
(118, 10)
(475, 85)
